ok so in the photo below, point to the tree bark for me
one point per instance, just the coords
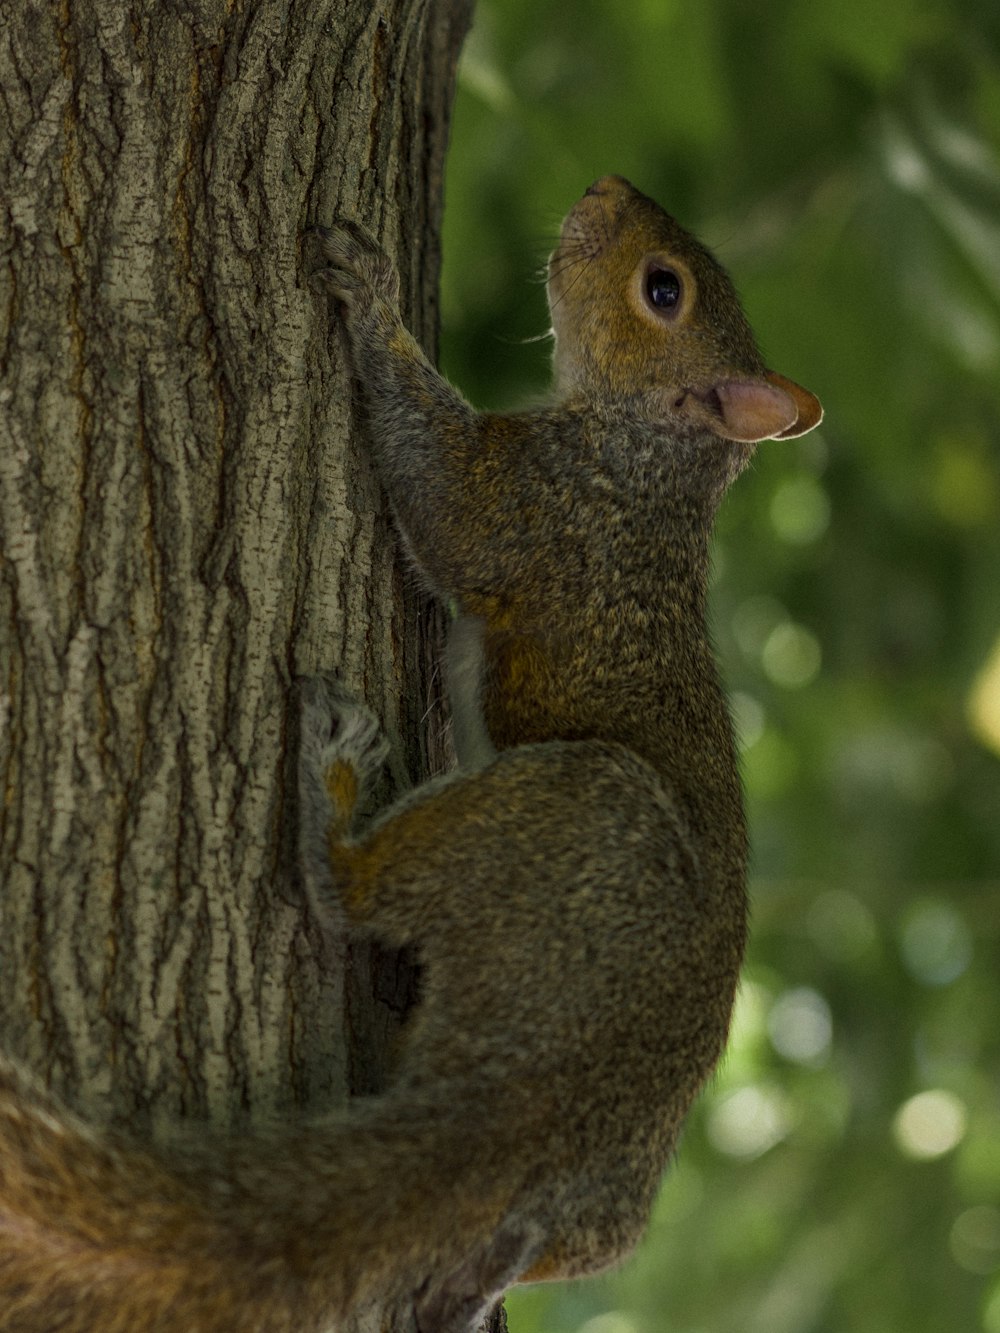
(187, 522)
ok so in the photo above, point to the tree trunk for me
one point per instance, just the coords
(187, 522)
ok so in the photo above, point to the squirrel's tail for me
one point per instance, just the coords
(99, 1234)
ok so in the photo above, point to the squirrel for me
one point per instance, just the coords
(574, 890)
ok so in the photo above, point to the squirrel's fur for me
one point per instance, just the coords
(575, 892)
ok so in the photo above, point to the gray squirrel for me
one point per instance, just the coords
(574, 891)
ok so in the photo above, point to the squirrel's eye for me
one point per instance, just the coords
(663, 289)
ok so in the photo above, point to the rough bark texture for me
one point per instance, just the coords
(187, 521)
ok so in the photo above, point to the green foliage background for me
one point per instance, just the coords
(843, 159)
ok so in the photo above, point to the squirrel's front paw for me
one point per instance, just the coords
(355, 269)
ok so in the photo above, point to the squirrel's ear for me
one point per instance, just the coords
(772, 408)
(810, 409)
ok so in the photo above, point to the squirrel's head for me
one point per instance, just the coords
(645, 317)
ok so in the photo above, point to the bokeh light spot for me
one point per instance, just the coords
(936, 943)
(975, 1239)
(929, 1124)
(749, 1121)
(800, 510)
(791, 655)
(800, 1026)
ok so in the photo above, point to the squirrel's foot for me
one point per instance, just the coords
(356, 270)
(339, 734)
(341, 752)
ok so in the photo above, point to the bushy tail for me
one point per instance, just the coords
(261, 1233)
(95, 1235)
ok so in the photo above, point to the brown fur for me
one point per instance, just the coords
(575, 892)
